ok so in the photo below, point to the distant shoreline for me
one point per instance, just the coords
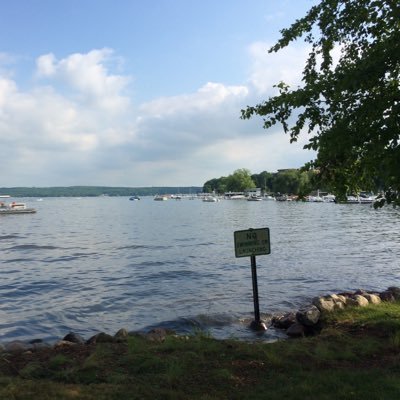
(95, 191)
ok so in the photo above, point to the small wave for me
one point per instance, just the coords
(33, 247)
(18, 260)
(141, 246)
(5, 237)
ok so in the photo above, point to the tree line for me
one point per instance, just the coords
(94, 191)
(289, 181)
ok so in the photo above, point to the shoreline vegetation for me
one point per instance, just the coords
(355, 353)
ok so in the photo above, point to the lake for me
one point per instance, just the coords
(99, 264)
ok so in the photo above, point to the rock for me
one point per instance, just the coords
(40, 346)
(324, 304)
(284, 321)
(64, 344)
(342, 298)
(17, 346)
(373, 298)
(361, 300)
(101, 338)
(395, 291)
(122, 334)
(387, 296)
(308, 315)
(361, 292)
(357, 301)
(158, 334)
(296, 330)
(35, 341)
(74, 338)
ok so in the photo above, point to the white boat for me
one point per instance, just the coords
(211, 199)
(254, 198)
(15, 208)
(235, 196)
(160, 198)
(363, 198)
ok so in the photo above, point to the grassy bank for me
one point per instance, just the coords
(357, 355)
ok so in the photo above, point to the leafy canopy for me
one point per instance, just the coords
(351, 106)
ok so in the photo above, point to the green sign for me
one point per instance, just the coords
(252, 242)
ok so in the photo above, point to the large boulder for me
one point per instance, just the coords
(284, 321)
(357, 301)
(308, 315)
(74, 338)
(373, 298)
(324, 304)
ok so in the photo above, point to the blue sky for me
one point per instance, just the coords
(137, 93)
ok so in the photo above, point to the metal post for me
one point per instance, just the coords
(256, 324)
(255, 289)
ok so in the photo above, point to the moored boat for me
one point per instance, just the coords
(254, 198)
(211, 199)
(15, 208)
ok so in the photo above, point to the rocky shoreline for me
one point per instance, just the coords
(306, 321)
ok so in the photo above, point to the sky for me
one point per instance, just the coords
(138, 93)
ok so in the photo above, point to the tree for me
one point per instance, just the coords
(351, 106)
(263, 180)
(240, 180)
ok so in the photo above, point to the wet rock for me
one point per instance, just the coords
(308, 315)
(283, 321)
(74, 338)
(296, 330)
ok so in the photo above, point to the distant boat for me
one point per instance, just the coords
(160, 198)
(4, 196)
(134, 198)
(254, 198)
(210, 199)
(15, 208)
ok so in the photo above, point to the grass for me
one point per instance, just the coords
(357, 355)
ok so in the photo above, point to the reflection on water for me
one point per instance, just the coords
(96, 264)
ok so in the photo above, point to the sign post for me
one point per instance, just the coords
(251, 243)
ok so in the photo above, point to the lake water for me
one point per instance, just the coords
(100, 264)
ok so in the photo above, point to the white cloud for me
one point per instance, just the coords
(78, 126)
(268, 69)
(88, 75)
